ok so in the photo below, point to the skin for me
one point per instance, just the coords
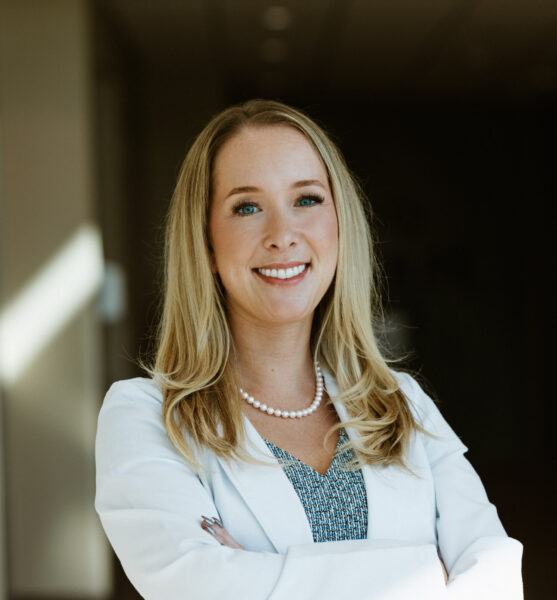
(272, 208)
(289, 219)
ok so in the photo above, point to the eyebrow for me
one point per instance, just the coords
(246, 189)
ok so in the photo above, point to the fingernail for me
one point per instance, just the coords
(213, 521)
(207, 525)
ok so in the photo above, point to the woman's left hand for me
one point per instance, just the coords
(214, 527)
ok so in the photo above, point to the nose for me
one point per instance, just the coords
(281, 231)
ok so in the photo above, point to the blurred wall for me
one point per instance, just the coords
(51, 270)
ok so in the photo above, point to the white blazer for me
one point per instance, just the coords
(150, 504)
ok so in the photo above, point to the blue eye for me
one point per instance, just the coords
(309, 201)
(246, 209)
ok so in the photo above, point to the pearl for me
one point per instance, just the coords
(285, 414)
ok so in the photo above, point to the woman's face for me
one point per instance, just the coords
(272, 225)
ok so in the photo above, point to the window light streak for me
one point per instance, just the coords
(49, 302)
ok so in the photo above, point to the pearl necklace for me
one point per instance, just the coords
(294, 414)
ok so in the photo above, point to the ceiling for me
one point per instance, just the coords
(469, 47)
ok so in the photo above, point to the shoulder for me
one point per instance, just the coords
(438, 436)
(419, 402)
(131, 401)
(138, 390)
(130, 424)
(139, 396)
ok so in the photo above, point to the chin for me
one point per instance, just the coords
(286, 315)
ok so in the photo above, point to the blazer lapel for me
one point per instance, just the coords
(269, 494)
(382, 494)
(273, 501)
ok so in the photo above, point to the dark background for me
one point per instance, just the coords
(446, 113)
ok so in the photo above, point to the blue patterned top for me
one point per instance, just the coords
(335, 503)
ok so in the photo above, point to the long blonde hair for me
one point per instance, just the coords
(193, 364)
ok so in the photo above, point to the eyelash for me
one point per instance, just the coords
(315, 199)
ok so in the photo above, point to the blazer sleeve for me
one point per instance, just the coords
(150, 504)
(482, 561)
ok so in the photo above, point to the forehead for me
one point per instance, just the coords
(265, 153)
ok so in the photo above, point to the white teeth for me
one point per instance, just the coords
(283, 273)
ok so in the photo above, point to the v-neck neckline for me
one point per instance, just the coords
(342, 436)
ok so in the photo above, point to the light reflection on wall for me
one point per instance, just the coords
(49, 302)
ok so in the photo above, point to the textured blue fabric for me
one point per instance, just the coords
(335, 503)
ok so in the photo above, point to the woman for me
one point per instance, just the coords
(271, 422)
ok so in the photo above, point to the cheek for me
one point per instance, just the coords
(328, 234)
(229, 246)
(331, 237)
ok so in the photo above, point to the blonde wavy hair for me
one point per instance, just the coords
(194, 363)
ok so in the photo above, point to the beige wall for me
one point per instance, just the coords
(54, 541)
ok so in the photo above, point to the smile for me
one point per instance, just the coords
(283, 273)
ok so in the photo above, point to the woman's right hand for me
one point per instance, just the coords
(213, 526)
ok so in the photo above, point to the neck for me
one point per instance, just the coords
(275, 362)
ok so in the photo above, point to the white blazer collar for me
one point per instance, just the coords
(388, 488)
(272, 498)
(269, 494)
